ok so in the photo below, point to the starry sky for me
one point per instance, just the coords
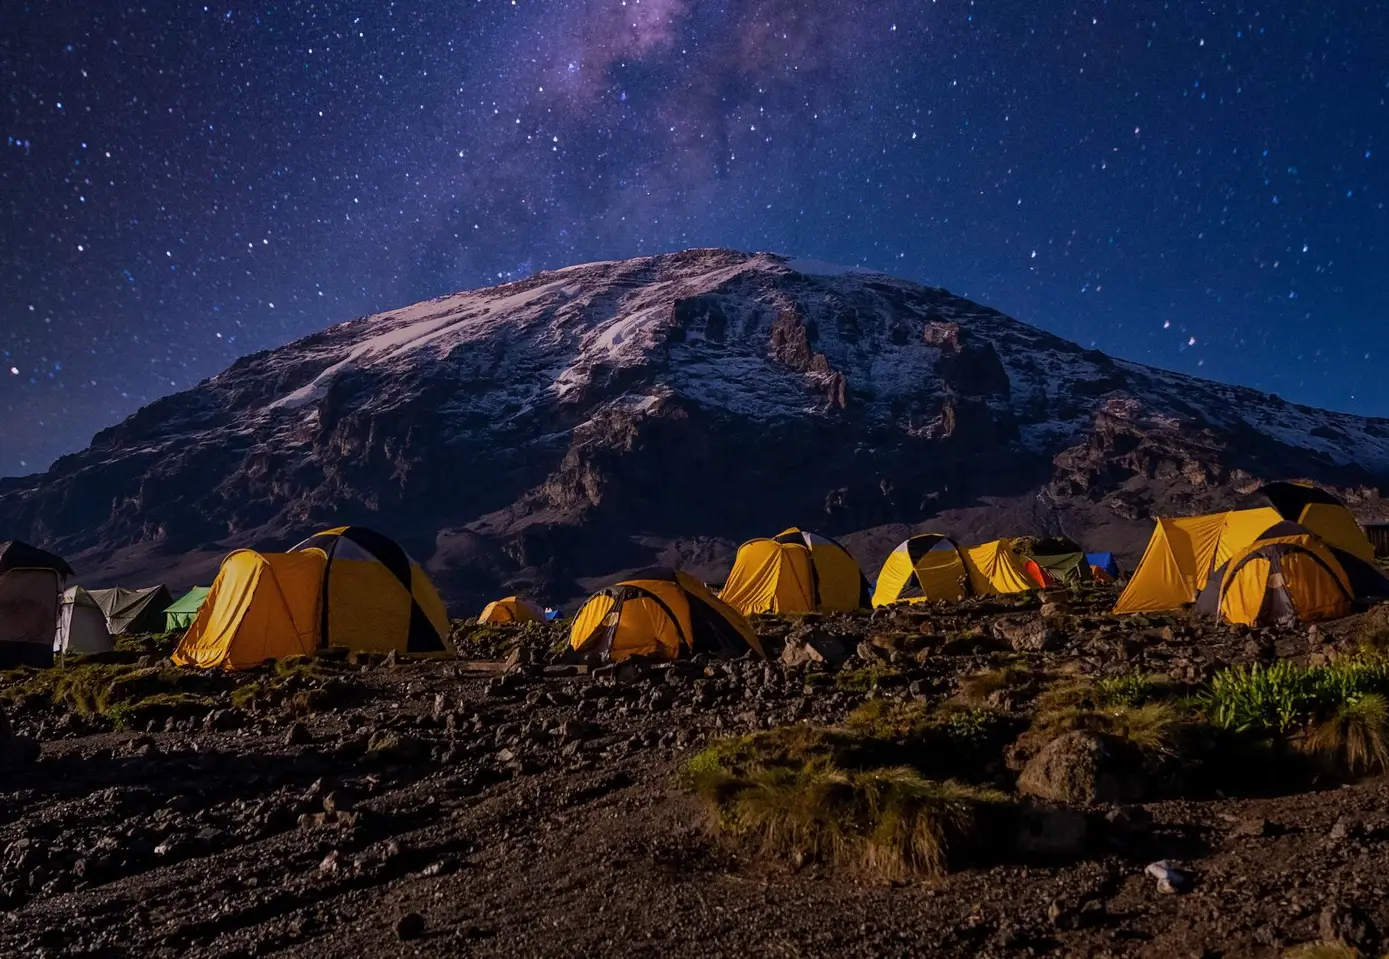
(1200, 186)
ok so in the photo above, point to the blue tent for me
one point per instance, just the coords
(1104, 561)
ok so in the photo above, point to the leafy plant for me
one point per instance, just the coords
(1283, 697)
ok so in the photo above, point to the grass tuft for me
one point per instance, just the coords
(888, 822)
(981, 685)
(1355, 738)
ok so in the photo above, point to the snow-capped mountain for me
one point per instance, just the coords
(546, 433)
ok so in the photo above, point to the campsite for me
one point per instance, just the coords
(979, 746)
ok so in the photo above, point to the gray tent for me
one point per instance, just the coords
(82, 625)
(31, 592)
(133, 610)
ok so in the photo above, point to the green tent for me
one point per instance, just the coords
(1063, 559)
(185, 609)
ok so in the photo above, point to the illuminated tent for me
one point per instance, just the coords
(923, 568)
(348, 587)
(1287, 575)
(996, 568)
(513, 609)
(931, 567)
(795, 572)
(660, 614)
(1182, 554)
(1317, 511)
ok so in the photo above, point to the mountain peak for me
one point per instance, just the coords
(550, 431)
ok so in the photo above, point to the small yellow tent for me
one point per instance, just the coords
(795, 572)
(1286, 575)
(348, 587)
(661, 614)
(513, 609)
(996, 568)
(923, 568)
(931, 567)
(1183, 553)
(261, 606)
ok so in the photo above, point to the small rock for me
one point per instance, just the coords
(1169, 879)
(297, 735)
(409, 926)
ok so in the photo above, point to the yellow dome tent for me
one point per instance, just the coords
(661, 614)
(931, 567)
(513, 609)
(922, 569)
(1184, 552)
(348, 587)
(795, 572)
(1286, 575)
(1317, 511)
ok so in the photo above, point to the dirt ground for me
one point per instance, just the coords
(447, 809)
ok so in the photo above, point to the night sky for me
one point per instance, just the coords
(1200, 186)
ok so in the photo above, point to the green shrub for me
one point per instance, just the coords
(1338, 713)
(1284, 697)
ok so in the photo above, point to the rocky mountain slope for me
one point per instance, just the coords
(547, 433)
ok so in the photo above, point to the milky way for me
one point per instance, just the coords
(1197, 186)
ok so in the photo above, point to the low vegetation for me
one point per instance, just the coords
(805, 793)
(1137, 710)
(123, 693)
(867, 678)
(981, 685)
(1337, 713)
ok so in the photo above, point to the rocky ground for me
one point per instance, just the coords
(503, 805)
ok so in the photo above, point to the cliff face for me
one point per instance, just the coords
(549, 432)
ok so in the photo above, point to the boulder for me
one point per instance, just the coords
(1028, 635)
(825, 650)
(1082, 768)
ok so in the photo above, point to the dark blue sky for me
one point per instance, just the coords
(1198, 186)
